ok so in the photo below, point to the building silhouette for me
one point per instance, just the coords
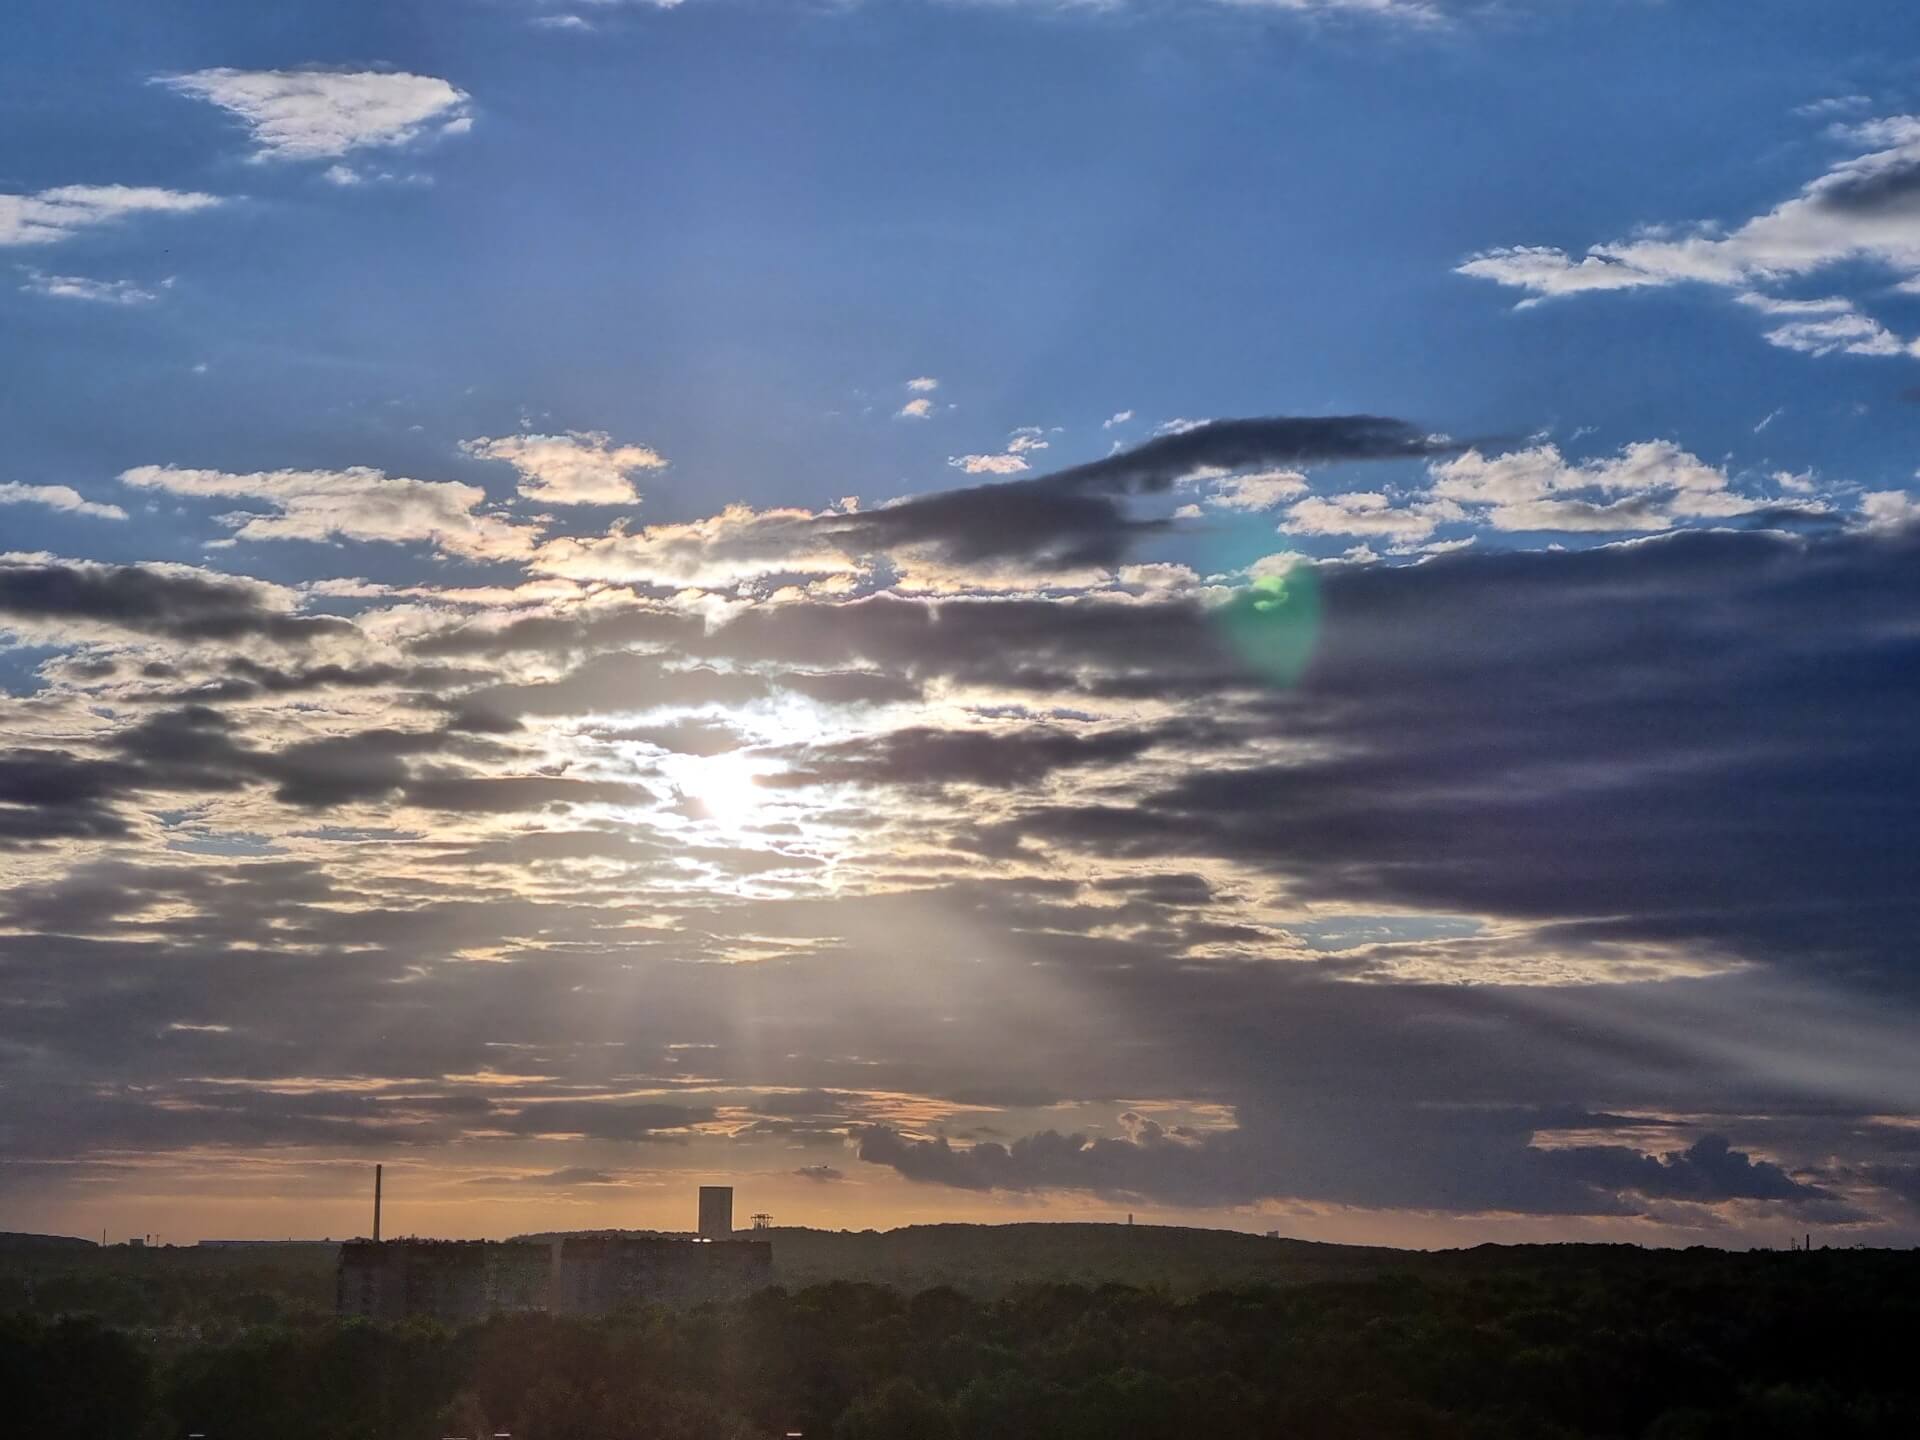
(716, 1212)
(595, 1274)
(461, 1281)
(453, 1281)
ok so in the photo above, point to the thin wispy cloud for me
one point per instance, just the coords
(57, 497)
(1860, 210)
(85, 288)
(49, 216)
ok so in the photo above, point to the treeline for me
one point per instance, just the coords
(210, 1293)
(1773, 1346)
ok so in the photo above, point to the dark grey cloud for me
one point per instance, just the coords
(619, 681)
(1077, 516)
(1702, 744)
(683, 737)
(824, 1174)
(1269, 1160)
(175, 603)
(1708, 1170)
(1706, 739)
(50, 795)
(922, 756)
(242, 678)
(200, 749)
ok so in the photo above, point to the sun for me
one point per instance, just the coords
(726, 788)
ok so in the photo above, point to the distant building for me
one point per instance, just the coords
(599, 1273)
(716, 1212)
(454, 1281)
(458, 1281)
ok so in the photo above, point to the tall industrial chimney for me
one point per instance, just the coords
(716, 1212)
(376, 1204)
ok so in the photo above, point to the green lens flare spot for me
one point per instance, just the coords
(1273, 624)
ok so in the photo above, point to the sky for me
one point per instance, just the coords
(1294, 615)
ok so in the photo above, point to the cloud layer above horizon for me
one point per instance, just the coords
(575, 677)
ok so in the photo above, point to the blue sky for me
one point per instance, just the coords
(731, 231)
(495, 398)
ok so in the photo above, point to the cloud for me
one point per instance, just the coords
(79, 287)
(575, 23)
(1247, 1164)
(354, 504)
(1708, 1170)
(1861, 210)
(1059, 526)
(917, 756)
(1261, 490)
(1606, 848)
(1516, 734)
(1648, 486)
(824, 1174)
(1368, 512)
(1077, 517)
(1890, 509)
(988, 464)
(925, 385)
(1012, 461)
(920, 408)
(1821, 327)
(176, 601)
(57, 497)
(582, 467)
(54, 215)
(737, 544)
(1119, 417)
(1834, 105)
(315, 114)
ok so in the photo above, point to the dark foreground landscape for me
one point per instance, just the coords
(1051, 1332)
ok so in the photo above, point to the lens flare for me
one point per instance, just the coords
(1273, 624)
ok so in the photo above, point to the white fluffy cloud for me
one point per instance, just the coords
(738, 544)
(48, 216)
(988, 464)
(1646, 487)
(353, 504)
(1262, 490)
(1649, 486)
(1368, 512)
(323, 114)
(57, 497)
(582, 467)
(1863, 209)
(920, 405)
(1023, 441)
(1890, 509)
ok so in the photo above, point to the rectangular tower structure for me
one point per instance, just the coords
(716, 1212)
